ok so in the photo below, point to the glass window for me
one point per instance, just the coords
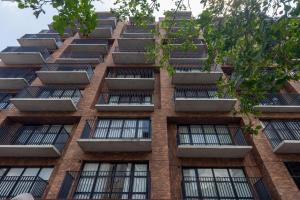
(294, 170)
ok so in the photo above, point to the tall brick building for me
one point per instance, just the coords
(97, 119)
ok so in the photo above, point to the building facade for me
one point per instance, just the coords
(95, 118)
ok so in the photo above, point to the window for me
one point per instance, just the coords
(122, 128)
(204, 135)
(216, 183)
(18, 180)
(294, 169)
(113, 181)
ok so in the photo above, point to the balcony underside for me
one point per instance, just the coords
(100, 32)
(278, 108)
(48, 43)
(100, 48)
(22, 58)
(196, 77)
(205, 105)
(213, 151)
(29, 151)
(115, 145)
(137, 35)
(124, 107)
(65, 60)
(130, 83)
(131, 58)
(13, 83)
(135, 43)
(288, 146)
(64, 77)
(44, 104)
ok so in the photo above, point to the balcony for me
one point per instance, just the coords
(110, 184)
(133, 136)
(133, 31)
(51, 99)
(66, 34)
(203, 99)
(135, 44)
(286, 102)
(196, 56)
(49, 41)
(131, 57)
(65, 74)
(24, 55)
(126, 101)
(72, 56)
(106, 18)
(283, 135)
(130, 78)
(16, 78)
(196, 74)
(211, 141)
(32, 141)
(90, 45)
(5, 100)
(102, 31)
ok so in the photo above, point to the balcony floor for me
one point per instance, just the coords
(29, 151)
(288, 146)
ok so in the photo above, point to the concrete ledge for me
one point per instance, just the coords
(22, 58)
(212, 151)
(29, 151)
(102, 32)
(49, 43)
(288, 146)
(196, 77)
(138, 44)
(79, 60)
(63, 77)
(204, 104)
(187, 60)
(44, 104)
(101, 48)
(130, 83)
(115, 145)
(131, 58)
(124, 107)
(137, 35)
(13, 83)
(278, 108)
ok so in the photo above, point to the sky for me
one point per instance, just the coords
(16, 22)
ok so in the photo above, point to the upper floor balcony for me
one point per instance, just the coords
(77, 56)
(110, 181)
(186, 74)
(130, 78)
(5, 100)
(127, 56)
(102, 31)
(32, 140)
(211, 141)
(16, 78)
(66, 34)
(194, 56)
(64, 74)
(19, 180)
(134, 100)
(202, 98)
(222, 183)
(24, 55)
(90, 45)
(283, 135)
(54, 99)
(106, 18)
(285, 102)
(50, 41)
(116, 135)
(134, 31)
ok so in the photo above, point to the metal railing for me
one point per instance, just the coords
(115, 72)
(90, 41)
(91, 131)
(69, 68)
(131, 28)
(54, 36)
(43, 51)
(201, 188)
(81, 54)
(200, 92)
(11, 186)
(126, 97)
(5, 100)
(222, 135)
(195, 68)
(279, 131)
(289, 99)
(108, 185)
(50, 93)
(34, 135)
(27, 73)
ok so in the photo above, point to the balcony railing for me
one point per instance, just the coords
(44, 52)
(200, 92)
(110, 185)
(54, 36)
(126, 97)
(5, 100)
(68, 68)
(27, 73)
(129, 73)
(11, 186)
(224, 188)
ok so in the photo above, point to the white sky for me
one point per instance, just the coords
(16, 22)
